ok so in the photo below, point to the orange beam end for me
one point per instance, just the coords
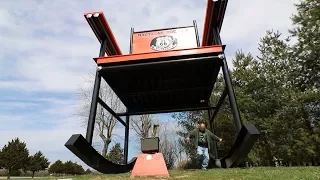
(213, 21)
(102, 30)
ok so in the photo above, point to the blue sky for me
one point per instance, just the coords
(46, 51)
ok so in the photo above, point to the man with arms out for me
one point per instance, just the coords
(203, 141)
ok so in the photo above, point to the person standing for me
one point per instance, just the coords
(203, 140)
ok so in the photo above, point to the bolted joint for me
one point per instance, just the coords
(221, 56)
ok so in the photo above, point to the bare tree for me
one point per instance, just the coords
(169, 145)
(142, 125)
(105, 122)
(181, 155)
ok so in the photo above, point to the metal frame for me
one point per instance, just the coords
(196, 31)
(126, 132)
(131, 40)
(128, 66)
(95, 95)
(220, 102)
(227, 91)
(165, 111)
(96, 99)
(215, 145)
(212, 110)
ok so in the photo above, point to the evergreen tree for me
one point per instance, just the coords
(263, 91)
(88, 171)
(267, 97)
(68, 167)
(188, 121)
(57, 167)
(115, 154)
(1, 166)
(78, 169)
(306, 75)
(37, 162)
(14, 155)
(306, 54)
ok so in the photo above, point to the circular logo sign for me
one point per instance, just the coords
(163, 43)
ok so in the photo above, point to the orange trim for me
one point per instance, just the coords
(206, 22)
(136, 57)
(107, 27)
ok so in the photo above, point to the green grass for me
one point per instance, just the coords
(265, 173)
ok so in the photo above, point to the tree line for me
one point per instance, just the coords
(68, 167)
(14, 156)
(15, 159)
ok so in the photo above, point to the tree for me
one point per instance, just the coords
(169, 146)
(115, 154)
(78, 169)
(169, 151)
(68, 167)
(105, 122)
(37, 162)
(142, 126)
(306, 52)
(268, 97)
(88, 171)
(187, 121)
(306, 62)
(14, 155)
(264, 88)
(1, 165)
(57, 167)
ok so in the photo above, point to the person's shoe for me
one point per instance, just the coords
(204, 169)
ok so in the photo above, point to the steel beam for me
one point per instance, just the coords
(197, 33)
(104, 105)
(95, 96)
(220, 102)
(232, 97)
(126, 66)
(126, 140)
(164, 111)
(215, 145)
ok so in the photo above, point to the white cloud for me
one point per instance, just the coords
(47, 47)
(53, 48)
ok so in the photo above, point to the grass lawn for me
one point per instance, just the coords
(272, 173)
